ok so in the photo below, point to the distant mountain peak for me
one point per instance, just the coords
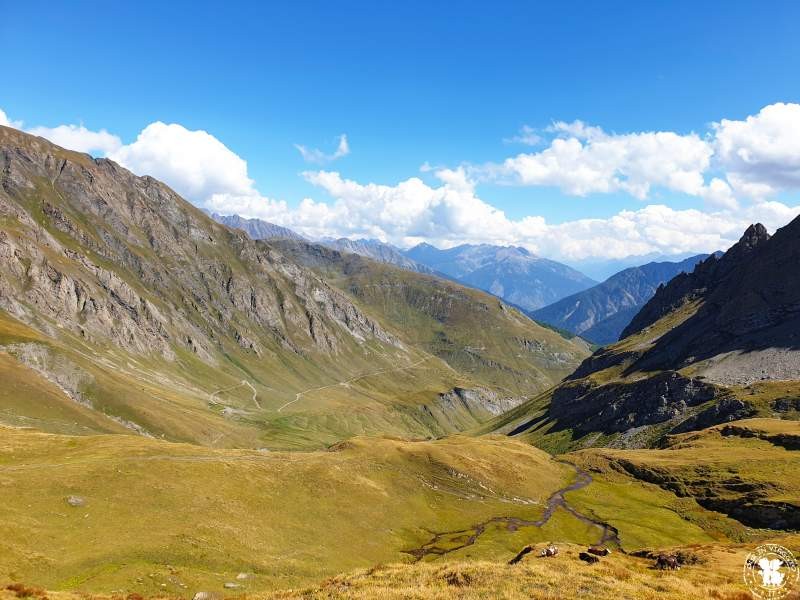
(257, 229)
(510, 272)
(600, 313)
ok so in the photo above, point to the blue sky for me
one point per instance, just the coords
(447, 85)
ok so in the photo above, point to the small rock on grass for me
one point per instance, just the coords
(76, 500)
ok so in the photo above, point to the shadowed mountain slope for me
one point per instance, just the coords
(600, 313)
(717, 344)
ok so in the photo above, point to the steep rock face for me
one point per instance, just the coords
(138, 266)
(615, 408)
(600, 313)
(688, 286)
(479, 400)
(746, 326)
(715, 345)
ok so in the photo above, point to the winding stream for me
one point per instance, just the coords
(468, 537)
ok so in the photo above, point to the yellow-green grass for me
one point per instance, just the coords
(475, 333)
(363, 392)
(617, 577)
(750, 468)
(29, 400)
(286, 518)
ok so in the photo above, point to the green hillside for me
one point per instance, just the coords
(152, 318)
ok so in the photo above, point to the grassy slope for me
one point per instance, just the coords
(181, 515)
(171, 398)
(748, 473)
(617, 577)
(475, 333)
(565, 576)
(288, 518)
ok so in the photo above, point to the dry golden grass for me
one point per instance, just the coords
(616, 577)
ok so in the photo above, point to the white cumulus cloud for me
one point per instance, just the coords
(761, 154)
(194, 163)
(450, 213)
(79, 138)
(583, 160)
(735, 169)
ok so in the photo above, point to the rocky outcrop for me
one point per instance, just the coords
(586, 407)
(123, 259)
(744, 500)
(478, 401)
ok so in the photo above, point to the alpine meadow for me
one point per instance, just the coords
(423, 301)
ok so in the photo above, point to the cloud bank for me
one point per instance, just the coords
(736, 170)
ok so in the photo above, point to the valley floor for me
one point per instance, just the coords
(116, 515)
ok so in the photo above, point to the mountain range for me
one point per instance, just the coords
(257, 229)
(379, 251)
(220, 415)
(111, 282)
(510, 272)
(600, 313)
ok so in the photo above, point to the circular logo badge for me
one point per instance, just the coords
(771, 572)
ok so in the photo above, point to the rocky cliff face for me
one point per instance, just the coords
(119, 258)
(711, 346)
(746, 324)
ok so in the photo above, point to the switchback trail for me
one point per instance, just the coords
(469, 536)
(244, 382)
(351, 380)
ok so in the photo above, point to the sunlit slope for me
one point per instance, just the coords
(150, 506)
(718, 576)
(747, 470)
(475, 333)
(161, 321)
(155, 516)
